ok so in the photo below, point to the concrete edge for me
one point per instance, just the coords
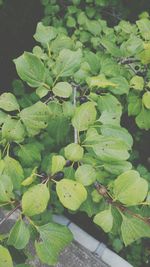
(97, 248)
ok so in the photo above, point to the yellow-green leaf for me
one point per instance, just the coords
(35, 200)
(71, 193)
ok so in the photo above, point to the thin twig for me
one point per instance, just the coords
(102, 190)
(9, 214)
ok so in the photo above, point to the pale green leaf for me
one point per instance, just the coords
(144, 27)
(30, 179)
(118, 167)
(144, 56)
(6, 188)
(19, 235)
(35, 200)
(54, 238)
(110, 149)
(67, 62)
(14, 170)
(146, 99)
(104, 219)
(133, 229)
(84, 116)
(35, 118)
(143, 119)
(5, 258)
(74, 152)
(62, 41)
(111, 47)
(30, 69)
(99, 81)
(117, 131)
(137, 82)
(3, 117)
(8, 102)
(29, 154)
(86, 174)
(130, 188)
(134, 105)
(44, 34)
(58, 163)
(110, 108)
(122, 85)
(71, 193)
(13, 130)
(62, 89)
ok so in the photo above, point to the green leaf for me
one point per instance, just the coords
(137, 82)
(62, 41)
(104, 219)
(111, 47)
(93, 61)
(19, 235)
(110, 149)
(143, 119)
(86, 174)
(41, 91)
(134, 105)
(71, 193)
(99, 81)
(29, 154)
(89, 206)
(3, 117)
(68, 109)
(122, 85)
(74, 152)
(18, 87)
(144, 56)
(35, 118)
(110, 108)
(44, 34)
(133, 229)
(62, 89)
(14, 170)
(146, 99)
(6, 260)
(144, 28)
(118, 167)
(6, 188)
(117, 131)
(30, 69)
(93, 26)
(35, 200)
(13, 130)
(130, 188)
(84, 116)
(30, 179)
(96, 197)
(54, 238)
(58, 163)
(132, 46)
(67, 63)
(71, 22)
(8, 102)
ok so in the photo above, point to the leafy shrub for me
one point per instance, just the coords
(63, 142)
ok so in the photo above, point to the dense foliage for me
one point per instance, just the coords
(63, 142)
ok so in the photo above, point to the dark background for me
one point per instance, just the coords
(18, 19)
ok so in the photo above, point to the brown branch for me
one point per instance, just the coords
(9, 214)
(102, 190)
